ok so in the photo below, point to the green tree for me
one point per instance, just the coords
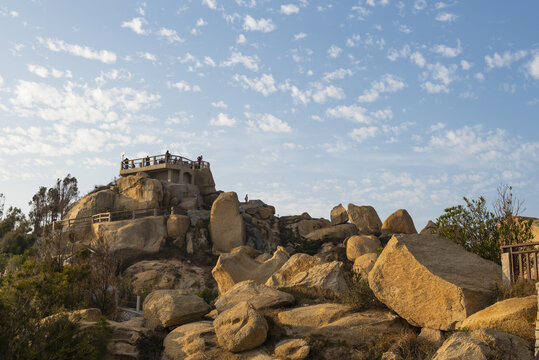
(15, 230)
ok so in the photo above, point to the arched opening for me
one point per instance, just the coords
(186, 178)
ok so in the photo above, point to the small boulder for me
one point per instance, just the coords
(190, 341)
(240, 265)
(338, 215)
(292, 349)
(514, 316)
(259, 295)
(365, 219)
(429, 229)
(363, 264)
(306, 275)
(333, 233)
(483, 344)
(171, 307)
(400, 222)
(240, 328)
(227, 229)
(432, 282)
(358, 245)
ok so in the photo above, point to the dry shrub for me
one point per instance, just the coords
(360, 296)
(406, 346)
(520, 288)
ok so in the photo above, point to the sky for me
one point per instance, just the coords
(303, 104)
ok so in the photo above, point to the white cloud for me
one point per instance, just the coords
(241, 39)
(264, 85)
(394, 54)
(300, 36)
(45, 73)
(373, 3)
(201, 22)
(353, 41)
(448, 51)
(184, 86)
(14, 13)
(250, 4)
(219, 104)
(420, 4)
(433, 88)
(1, 80)
(322, 93)
(363, 133)
(437, 127)
(136, 25)
(441, 73)
(465, 65)
(533, 67)
(385, 114)
(337, 74)
(223, 120)
(249, 62)
(297, 95)
(446, 17)
(405, 29)
(388, 83)
(418, 59)
(212, 4)
(148, 56)
(86, 52)
(479, 76)
(289, 9)
(209, 61)
(264, 25)
(505, 60)
(353, 112)
(170, 35)
(270, 123)
(334, 51)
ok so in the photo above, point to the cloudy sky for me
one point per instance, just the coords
(303, 104)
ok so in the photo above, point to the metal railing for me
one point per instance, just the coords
(170, 159)
(520, 261)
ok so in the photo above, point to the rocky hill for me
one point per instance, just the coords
(296, 287)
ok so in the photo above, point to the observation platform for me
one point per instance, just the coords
(165, 167)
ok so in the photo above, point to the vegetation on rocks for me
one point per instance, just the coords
(359, 295)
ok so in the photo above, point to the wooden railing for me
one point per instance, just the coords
(520, 261)
(69, 224)
(162, 159)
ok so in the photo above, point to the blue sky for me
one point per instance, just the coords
(304, 104)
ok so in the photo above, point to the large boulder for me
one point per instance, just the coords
(191, 341)
(484, 344)
(138, 192)
(240, 265)
(307, 226)
(149, 275)
(240, 328)
(364, 264)
(338, 215)
(400, 222)
(309, 276)
(337, 323)
(94, 203)
(177, 226)
(259, 295)
(333, 233)
(514, 316)
(358, 245)
(432, 282)
(131, 239)
(171, 307)
(365, 219)
(204, 181)
(227, 229)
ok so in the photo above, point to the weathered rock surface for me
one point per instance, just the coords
(204, 181)
(304, 227)
(130, 239)
(261, 226)
(177, 226)
(292, 349)
(240, 265)
(259, 295)
(190, 341)
(125, 336)
(365, 219)
(400, 222)
(138, 192)
(514, 316)
(336, 323)
(333, 233)
(227, 229)
(358, 245)
(149, 275)
(484, 344)
(306, 275)
(240, 328)
(98, 202)
(429, 229)
(171, 307)
(338, 215)
(364, 264)
(431, 281)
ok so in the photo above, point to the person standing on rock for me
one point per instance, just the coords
(147, 161)
(246, 198)
(167, 157)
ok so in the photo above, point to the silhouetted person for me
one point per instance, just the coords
(246, 198)
(147, 163)
(167, 156)
(126, 163)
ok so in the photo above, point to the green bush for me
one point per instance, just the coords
(208, 295)
(359, 295)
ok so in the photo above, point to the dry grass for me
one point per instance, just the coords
(521, 288)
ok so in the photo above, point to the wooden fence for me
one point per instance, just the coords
(520, 262)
